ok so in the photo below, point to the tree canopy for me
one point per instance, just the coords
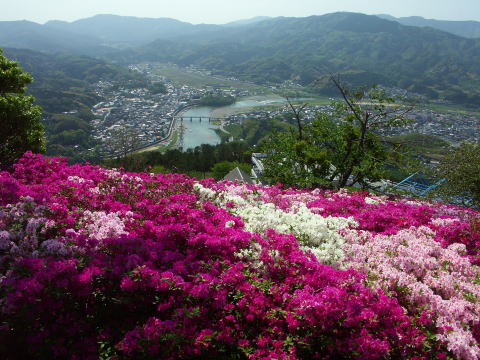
(461, 169)
(339, 149)
(157, 88)
(216, 100)
(21, 129)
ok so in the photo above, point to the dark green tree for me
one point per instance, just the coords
(340, 149)
(219, 170)
(21, 129)
(461, 169)
(216, 100)
(157, 88)
(293, 161)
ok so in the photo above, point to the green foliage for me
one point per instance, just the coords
(255, 131)
(413, 153)
(200, 159)
(62, 122)
(294, 162)
(64, 84)
(338, 150)
(216, 100)
(219, 170)
(461, 168)
(21, 129)
(157, 88)
(424, 147)
(422, 142)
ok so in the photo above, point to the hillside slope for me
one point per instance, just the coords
(128, 29)
(468, 29)
(33, 36)
(64, 83)
(364, 49)
(63, 80)
(367, 48)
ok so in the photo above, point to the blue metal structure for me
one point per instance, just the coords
(416, 188)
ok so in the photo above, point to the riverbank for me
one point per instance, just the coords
(165, 145)
(248, 104)
(198, 131)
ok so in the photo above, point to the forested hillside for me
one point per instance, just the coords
(30, 35)
(129, 30)
(468, 29)
(64, 83)
(364, 48)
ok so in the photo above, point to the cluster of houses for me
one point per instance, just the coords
(453, 127)
(308, 114)
(150, 115)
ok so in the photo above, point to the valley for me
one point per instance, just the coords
(152, 115)
(94, 103)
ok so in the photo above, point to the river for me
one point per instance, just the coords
(197, 133)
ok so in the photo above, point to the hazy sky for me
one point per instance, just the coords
(221, 11)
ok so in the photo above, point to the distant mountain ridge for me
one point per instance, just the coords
(468, 29)
(128, 29)
(248, 21)
(30, 35)
(365, 49)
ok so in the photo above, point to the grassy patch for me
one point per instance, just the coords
(449, 108)
(181, 76)
(161, 147)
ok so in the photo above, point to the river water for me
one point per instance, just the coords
(197, 133)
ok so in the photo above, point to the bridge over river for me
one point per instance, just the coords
(198, 118)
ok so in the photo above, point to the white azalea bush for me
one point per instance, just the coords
(316, 233)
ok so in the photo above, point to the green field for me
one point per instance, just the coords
(183, 77)
(448, 108)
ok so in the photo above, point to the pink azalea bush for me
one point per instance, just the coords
(98, 263)
(406, 248)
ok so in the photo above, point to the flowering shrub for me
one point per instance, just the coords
(98, 263)
(420, 253)
(422, 275)
(316, 233)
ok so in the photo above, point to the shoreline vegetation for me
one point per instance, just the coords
(216, 100)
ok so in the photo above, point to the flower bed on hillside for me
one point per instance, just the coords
(98, 263)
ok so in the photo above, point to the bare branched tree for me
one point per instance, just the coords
(297, 113)
(340, 148)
